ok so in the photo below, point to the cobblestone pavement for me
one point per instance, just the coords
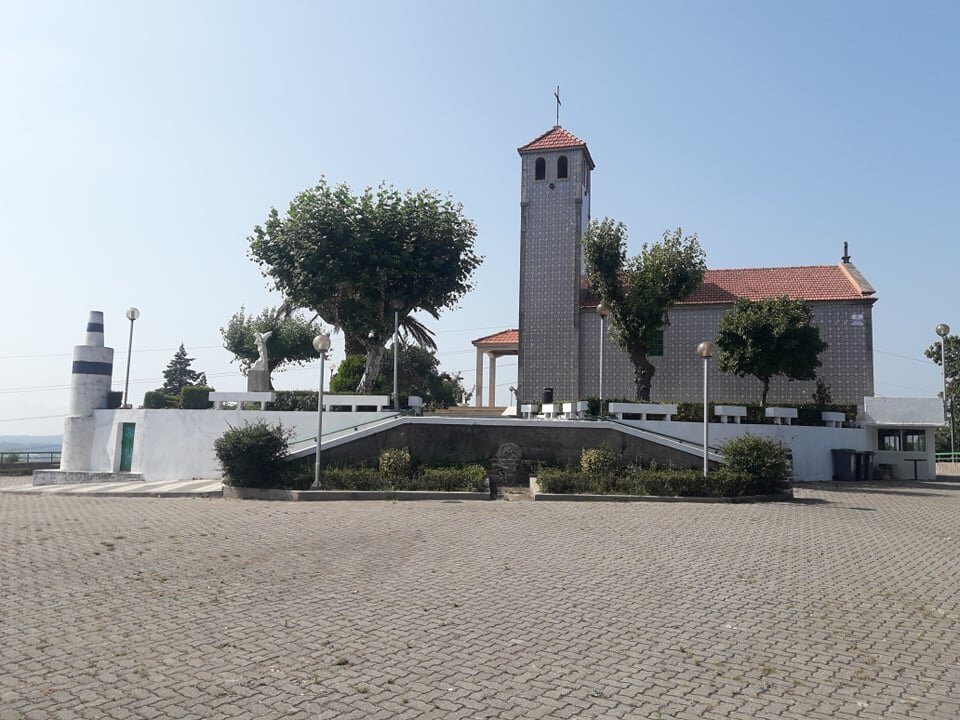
(842, 604)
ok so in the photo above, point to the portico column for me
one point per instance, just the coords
(493, 380)
(479, 389)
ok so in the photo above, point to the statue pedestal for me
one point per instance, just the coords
(258, 381)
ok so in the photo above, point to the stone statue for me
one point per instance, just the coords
(260, 339)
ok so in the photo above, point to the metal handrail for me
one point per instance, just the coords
(16, 457)
(313, 438)
(945, 457)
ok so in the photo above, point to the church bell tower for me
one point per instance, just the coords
(554, 212)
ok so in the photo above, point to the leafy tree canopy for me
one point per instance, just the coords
(951, 347)
(178, 374)
(418, 373)
(350, 257)
(766, 338)
(640, 290)
(290, 344)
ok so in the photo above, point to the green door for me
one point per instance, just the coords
(127, 431)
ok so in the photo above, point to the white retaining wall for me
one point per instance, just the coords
(178, 444)
(812, 461)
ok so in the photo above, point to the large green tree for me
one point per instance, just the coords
(352, 258)
(766, 338)
(179, 373)
(418, 373)
(951, 347)
(639, 290)
(291, 341)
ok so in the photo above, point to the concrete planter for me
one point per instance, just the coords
(243, 493)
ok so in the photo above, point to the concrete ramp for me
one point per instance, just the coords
(448, 440)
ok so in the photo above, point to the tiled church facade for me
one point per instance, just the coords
(556, 316)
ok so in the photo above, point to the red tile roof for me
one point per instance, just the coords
(814, 283)
(504, 337)
(553, 139)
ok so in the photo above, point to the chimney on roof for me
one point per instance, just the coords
(846, 255)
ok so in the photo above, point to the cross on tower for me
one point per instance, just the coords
(557, 96)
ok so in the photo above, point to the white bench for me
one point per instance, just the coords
(219, 398)
(380, 402)
(833, 419)
(642, 409)
(549, 411)
(528, 411)
(575, 411)
(730, 413)
(780, 414)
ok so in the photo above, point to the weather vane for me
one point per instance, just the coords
(557, 96)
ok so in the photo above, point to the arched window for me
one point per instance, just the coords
(562, 166)
(540, 169)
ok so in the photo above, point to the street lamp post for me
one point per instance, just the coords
(132, 314)
(602, 310)
(396, 304)
(706, 349)
(321, 343)
(943, 330)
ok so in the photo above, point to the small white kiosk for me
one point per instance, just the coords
(902, 430)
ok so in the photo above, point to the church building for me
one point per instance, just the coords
(559, 334)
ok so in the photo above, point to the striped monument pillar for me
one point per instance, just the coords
(90, 380)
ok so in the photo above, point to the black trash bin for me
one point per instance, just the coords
(844, 464)
(547, 395)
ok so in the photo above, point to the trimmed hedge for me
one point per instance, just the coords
(156, 400)
(290, 400)
(471, 478)
(352, 479)
(808, 414)
(195, 397)
(665, 483)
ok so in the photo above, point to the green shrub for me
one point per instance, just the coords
(195, 397)
(598, 461)
(395, 465)
(353, 479)
(470, 478)
(255, 456)
(157, 400)
(758, 458)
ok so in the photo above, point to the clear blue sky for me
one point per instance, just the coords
(140, 142)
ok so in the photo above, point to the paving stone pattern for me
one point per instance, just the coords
(842, 604)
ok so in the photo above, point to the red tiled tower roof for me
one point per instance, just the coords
(553, 139)
(556, 138)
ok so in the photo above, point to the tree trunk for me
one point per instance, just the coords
(766, 388)
(352, 345)
(371, 369)
(643, 372)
